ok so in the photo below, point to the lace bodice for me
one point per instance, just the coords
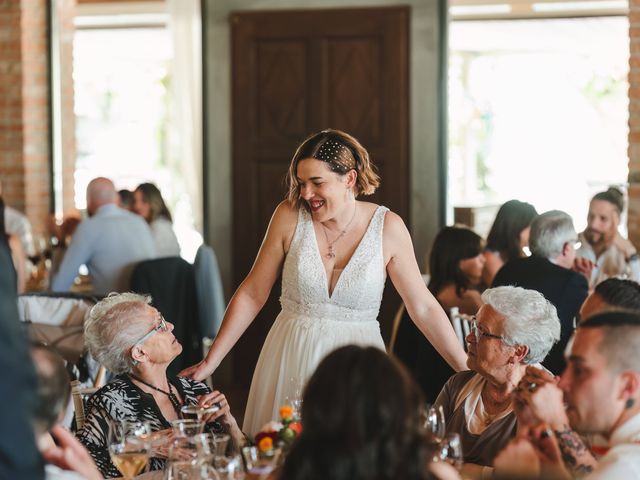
(358, 292)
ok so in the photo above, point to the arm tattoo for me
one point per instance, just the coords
(575, 454)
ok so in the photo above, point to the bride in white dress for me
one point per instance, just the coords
(334, 253)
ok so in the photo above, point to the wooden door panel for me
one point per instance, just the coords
(298, 72)
(281, 92)
(353, 93)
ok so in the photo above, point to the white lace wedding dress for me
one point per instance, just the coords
(312, 323)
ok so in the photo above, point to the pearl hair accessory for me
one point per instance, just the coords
(337, 155)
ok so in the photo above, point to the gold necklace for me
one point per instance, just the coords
(330, 253)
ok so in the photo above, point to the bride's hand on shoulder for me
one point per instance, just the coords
(198, 372)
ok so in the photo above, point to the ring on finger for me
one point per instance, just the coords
(532, 387)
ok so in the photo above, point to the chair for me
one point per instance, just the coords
(394, 328)
(78, 403)
(211, 304)
(171, 283)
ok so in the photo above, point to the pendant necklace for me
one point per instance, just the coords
(172, 396)
(330, 253)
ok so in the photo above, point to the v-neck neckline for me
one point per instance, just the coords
(331, 294)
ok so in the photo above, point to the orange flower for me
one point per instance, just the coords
(265, 444)
(286, 412)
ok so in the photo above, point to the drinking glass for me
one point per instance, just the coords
(129, 447)
(259, 465)
(451, 450)
(433, 418)
(212, 444)
(229, 468)
(187, 428)
(294, 396)
(185, 470)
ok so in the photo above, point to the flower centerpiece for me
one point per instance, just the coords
(280, 433)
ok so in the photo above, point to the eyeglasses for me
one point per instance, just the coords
(161, 327)
(477, 333)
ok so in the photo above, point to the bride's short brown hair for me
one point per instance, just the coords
(342, 153)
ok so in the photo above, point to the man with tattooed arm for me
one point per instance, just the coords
(600, 389)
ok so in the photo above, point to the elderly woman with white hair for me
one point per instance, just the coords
(514, 328)
(132, 339)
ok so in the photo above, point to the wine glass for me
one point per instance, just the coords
(433, 421)
(294, 396)
(129, 447)
(451, 450)
(187, 428)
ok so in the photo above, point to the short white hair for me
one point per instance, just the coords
(549, 233)
(529, 319)
(112, 328)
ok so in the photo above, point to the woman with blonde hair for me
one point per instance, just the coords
(334, 253)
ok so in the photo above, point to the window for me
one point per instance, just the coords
(538, 111)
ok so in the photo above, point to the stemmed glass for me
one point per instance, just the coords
(294, 397)
(129, 447)
(433, 421)
(451, 450)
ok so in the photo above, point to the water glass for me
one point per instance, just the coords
(129, 446)
(451, 450)
(187, 428)
(433, 421)
(260, 465)
(212, 444)
(229, 468)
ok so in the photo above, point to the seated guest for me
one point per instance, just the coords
(606, 252)
(360, 412)
(601, 390)
(67, 459)
(149, 204)
(17, 251)
(508, 236)
(109, 243)
(612, 294)
(455, 267)
(132, 339)
(515, 328)
(548, 270)
(125, 199)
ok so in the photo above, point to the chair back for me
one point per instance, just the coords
(78, 403)
(211, 304)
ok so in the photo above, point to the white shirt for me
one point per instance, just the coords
(622, 461)
(164, 238)
(610, 263)
(16, 223)
(109, 243)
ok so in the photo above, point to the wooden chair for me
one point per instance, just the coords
(78, 403)
(394, 328)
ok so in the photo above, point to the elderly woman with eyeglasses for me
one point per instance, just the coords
(514, 328)
(132, 339)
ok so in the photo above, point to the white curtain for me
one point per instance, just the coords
(185, 24)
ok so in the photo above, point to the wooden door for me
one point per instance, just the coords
(298, 72)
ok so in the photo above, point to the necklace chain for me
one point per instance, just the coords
(172, 396)
(330, 253)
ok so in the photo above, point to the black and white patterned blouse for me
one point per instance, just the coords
(121, 399)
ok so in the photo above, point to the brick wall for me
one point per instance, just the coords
(24, 105)
(634, 122)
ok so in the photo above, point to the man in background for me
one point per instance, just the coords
(604, 252)
(109, 243)
(548, 270)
